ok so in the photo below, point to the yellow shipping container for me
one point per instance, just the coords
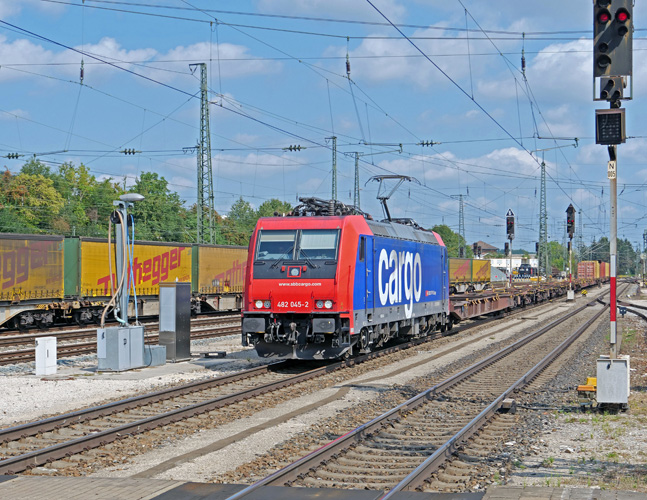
(152, 264)
(221, 269)
(460, 270)
(481, 270)
(31, 267)
(597, 269)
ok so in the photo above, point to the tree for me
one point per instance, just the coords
(160, 216)
(35, 167)
(240, 223)
(270, 207)
(29, 201)
(452, 241)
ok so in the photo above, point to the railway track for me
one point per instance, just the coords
(200, 328)
(437, 440)
(33, 444)
(69, 434)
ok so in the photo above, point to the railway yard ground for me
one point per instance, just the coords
(549, 442)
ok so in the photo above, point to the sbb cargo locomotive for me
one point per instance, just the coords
(327, 282)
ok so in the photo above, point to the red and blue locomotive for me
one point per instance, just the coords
(327, 282)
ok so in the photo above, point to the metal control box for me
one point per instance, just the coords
(46, 356)
(175, 320)
(113, 349)
(120, 348)
(613, 380)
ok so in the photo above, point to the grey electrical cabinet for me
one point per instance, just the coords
(175, 320)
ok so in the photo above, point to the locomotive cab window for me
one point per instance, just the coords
(273, 245)
(318, 244)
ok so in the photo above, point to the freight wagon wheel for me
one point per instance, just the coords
(78, 320)
(15, 324)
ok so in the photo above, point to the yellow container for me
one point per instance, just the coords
(221, 269)
(152, 264)
(31, 267)
(460, 270)
(481, 271)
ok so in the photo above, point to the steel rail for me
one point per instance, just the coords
(60, 334)
(27, 355)
(39, 457)
(293, 471)
(432, 464)
(80, 416)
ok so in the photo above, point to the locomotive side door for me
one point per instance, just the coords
(368, 247)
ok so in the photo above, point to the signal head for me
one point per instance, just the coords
(604, 17)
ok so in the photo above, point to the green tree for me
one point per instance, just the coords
(452, 241)
(30, 201)
(269, 207)
(160, 216)
(35, 167)
(240, 223)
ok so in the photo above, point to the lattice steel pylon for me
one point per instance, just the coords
(542, 255)
(580, 236)
(461, 223)
(206, 228)
(356, 190)
(334, 167)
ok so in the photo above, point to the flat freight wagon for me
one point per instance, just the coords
(49, 279)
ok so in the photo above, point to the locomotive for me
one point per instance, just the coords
(327, 281)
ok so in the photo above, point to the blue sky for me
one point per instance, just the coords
(278, 77)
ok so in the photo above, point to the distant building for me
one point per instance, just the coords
(486, 248)
(516, 262)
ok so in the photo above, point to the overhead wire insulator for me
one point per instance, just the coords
(347, 59)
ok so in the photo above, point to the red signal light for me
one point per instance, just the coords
(604, 17)
(622, 16)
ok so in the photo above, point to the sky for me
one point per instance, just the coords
(435, 91)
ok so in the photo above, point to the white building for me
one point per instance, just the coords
(516, 262)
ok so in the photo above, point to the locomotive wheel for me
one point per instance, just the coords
(363, 339)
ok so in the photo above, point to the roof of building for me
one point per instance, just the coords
(486, 247)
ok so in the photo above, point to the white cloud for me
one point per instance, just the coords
(10, 8)
(13, 113)
(165, 67)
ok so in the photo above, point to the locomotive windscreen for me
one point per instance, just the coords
(274, 245)
(312, 244)
(318, 244)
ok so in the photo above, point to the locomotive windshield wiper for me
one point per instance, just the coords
(281, 257)
(308, 261)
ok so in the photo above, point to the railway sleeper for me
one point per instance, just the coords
(378, 461)
(363, 476)
(450, 474)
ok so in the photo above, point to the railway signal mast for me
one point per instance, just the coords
(509, 228)
(570, 228)
(612, 68)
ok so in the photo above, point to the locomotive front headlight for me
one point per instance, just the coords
(267, 304)
(319, 304)
(259, 304)
(328, 304)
